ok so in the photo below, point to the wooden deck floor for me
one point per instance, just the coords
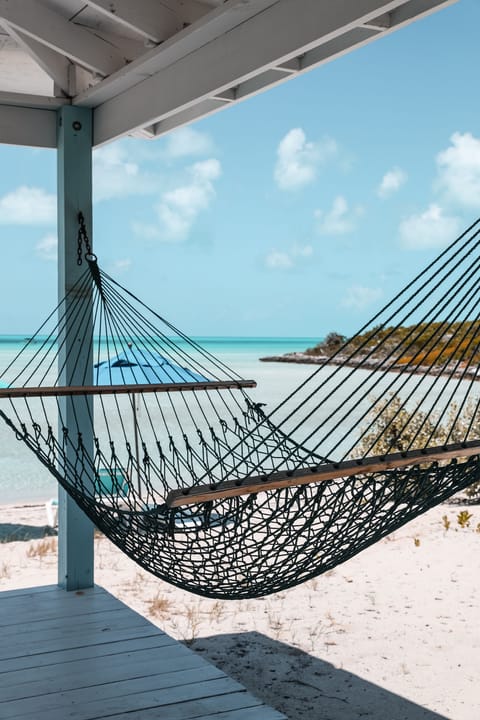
(86, 655)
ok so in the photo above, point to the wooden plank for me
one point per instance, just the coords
(64, 643)
(101, 649)
(27, 126)
(65, 636)
(46, 595)
(85, 710)
(96, 698)
(74, 390)
(73, 667)
(252, 713)
(15, 610)
(94, 628)
(121, 622)
(217, 707)
(82, 703)
(49, 594)
(321, 473)
(57, 32)
(86, 674)
(29, 592)
(46, 624)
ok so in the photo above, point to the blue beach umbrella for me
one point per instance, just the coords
(138, 366)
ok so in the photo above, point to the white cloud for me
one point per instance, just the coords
(339, 220)
(459, 171)
(359, 297)
(148, 231)
(430, 229)
(116, 175)
(178, 209)
(276, 260)
(186, 141)
(28, 206)
(305, 251)
(281, 260)
(47, 247)
(298, 159)
(391, 182)
(117, 267)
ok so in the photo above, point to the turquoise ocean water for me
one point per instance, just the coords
(319, 415)
(23, 478)
(331, 429)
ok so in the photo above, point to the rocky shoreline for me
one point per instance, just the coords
(299, 357)
(373, 364)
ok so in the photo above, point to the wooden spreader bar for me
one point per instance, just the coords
(26, 392)
(320, 473)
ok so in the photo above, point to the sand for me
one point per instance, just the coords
(392, 634)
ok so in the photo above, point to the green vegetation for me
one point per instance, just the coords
(437, 343)
(448, 347)
(395, 429)
(329, 345)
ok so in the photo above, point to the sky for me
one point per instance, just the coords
(294, 213)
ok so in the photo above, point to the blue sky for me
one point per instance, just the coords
(297, 212)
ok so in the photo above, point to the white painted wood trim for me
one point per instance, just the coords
(74, 163)
(149, 18)
(27, 126)
(52, 30)
(300, 27)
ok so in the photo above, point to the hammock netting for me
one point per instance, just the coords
(133, 418)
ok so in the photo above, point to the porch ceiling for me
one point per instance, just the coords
(149, 66)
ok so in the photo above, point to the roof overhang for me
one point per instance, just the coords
(148, 67)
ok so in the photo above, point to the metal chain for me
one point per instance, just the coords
(82, 238)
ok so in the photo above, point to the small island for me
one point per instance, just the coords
(437, 348)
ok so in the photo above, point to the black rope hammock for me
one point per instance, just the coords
(161, 446)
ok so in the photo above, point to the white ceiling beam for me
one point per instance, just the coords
(188, 10)
(185, 117)
(215, 24)
(27, 126)
(227, 96)
(57, 66)
(313, 58)
(50, 29)
(149, 18)
(351, 40)
(379, 23)
(291, 66)
(39, 102)
(278, 34)
(407, 13)
(147, 133)
(414, 10)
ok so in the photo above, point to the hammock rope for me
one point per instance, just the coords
(207, 488)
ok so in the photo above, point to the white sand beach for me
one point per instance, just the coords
(391, 634)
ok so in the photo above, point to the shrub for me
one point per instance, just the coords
(392, 428)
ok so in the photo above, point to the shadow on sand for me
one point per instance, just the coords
(12, 532)
(301, 685)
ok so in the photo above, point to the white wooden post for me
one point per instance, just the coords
(74, 150)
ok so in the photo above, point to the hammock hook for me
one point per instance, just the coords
(83, 239)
